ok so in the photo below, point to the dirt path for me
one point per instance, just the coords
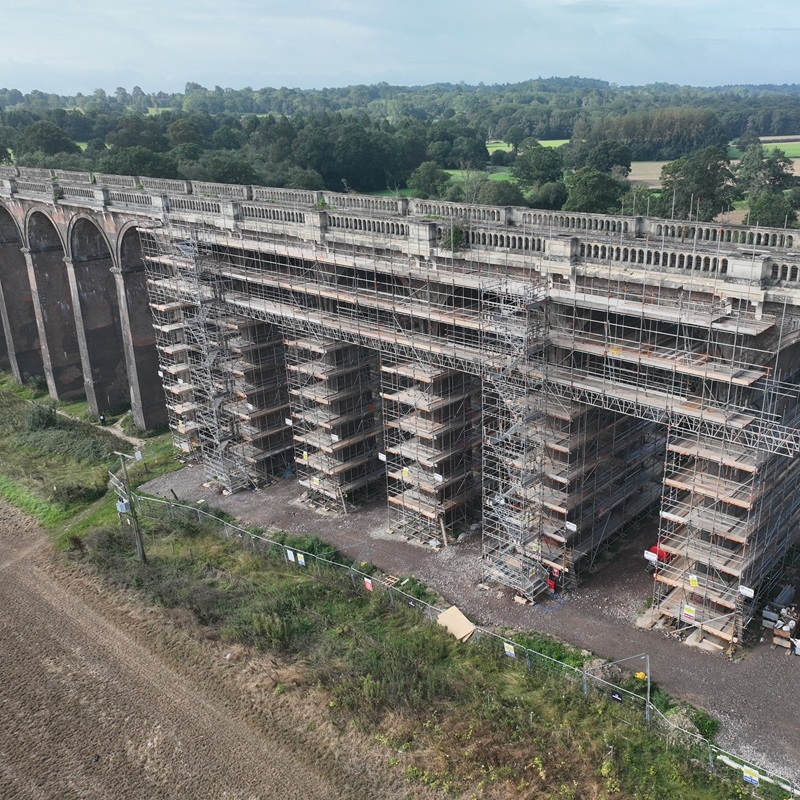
(101, 698)
(751, 697)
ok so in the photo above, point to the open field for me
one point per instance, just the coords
(505, 146)
(789, 144)
(552, 142)
(646, 173)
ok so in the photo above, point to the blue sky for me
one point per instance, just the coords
(65, 47)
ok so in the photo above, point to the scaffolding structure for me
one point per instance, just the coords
(706, 371)
(261, 402)
(514, 399)
(431, 445)
(223, 374)
(332, 387)
(568, 404)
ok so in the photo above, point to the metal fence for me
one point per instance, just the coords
(584, 679)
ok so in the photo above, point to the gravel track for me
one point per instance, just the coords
(752, 697)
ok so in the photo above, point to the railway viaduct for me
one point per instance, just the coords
(553, 374)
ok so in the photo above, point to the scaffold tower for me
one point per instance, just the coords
(514, 397)
(184, 284)
(332, 388)
(431, 443)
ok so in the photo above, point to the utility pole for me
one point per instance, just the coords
(126, 506)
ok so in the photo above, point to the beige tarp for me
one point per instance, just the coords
(456, 623)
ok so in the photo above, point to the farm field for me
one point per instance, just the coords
(789, 144)
(102, 699)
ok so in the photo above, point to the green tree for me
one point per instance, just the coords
(536, 165)
(501, 193)
(46, 138)
(592, 191)
(138, 161)
(184, 131)
(760, 171)
(747, 139)
(607, 155)
(135, 130)
(95, 147)
(467, 187)
(640, 200)
(698, 186)
(549, 195)
(514, 136)
(772, 209)
(222, 167)
(428, 180)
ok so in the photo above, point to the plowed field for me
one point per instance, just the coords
(102, 698)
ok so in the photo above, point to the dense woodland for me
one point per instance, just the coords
(373, 138)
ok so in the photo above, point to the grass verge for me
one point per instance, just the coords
(56, 468)
(461, 718)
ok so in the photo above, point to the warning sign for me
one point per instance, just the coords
(751, 776)
(509, 650)
(688, 613)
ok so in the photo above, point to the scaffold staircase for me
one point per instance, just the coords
(513, 444)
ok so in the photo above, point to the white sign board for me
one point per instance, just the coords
(751, 776)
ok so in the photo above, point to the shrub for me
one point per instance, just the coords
(453, 237)
(38, 385)
(41, 416)
(263, 631)
(68, 494)
(706, 725)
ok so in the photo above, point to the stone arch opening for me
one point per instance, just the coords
(146, 391)
(17, 313)
(97, 316)
(52, 298)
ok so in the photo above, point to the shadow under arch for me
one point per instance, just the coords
(17, 313)
(96, 303)
(146, 390)
(52, 300)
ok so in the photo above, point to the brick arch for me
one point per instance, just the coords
(91, 266)
(51, 288)
(136, 321)
(18, 326)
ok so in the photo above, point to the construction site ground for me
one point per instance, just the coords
(752, 696)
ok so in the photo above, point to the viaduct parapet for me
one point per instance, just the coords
(551, 375)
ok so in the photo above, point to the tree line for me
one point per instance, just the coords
(367, 144)
(330, 150)
(541, 108)
(581, 176)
